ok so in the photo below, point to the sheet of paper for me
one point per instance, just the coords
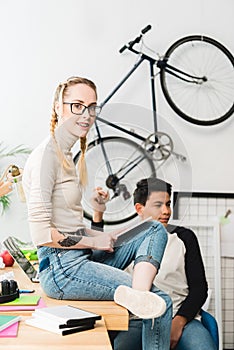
(227, 236)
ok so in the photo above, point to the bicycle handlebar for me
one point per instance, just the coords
(146, 29)
(136, 40)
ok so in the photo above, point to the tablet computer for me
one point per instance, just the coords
(12, 244)
(132, 231)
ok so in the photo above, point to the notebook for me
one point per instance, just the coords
(10, 332)
(4, 308)
(49, 326)
(7, 320)
(23, 300)
(125, 236)
(12, 244)
(66, 314)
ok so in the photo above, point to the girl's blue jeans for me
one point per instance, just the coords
(83, 274)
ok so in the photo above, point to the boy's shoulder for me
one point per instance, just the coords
(181, 231)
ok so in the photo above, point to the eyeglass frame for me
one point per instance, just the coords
(85, 107)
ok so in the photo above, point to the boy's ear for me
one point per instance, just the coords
(139, 208)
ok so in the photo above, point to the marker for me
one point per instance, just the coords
(26, 290)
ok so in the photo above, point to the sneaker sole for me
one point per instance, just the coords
(143, 304)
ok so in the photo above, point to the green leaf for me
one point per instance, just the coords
(5, 202)
(6, 152)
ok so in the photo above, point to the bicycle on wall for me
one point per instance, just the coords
(197, 79)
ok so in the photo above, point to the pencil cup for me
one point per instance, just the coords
(19, 187)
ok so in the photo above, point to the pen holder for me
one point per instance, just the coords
(15, 176)
(19, 187)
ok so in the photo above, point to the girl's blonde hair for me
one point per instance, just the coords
(60, 92)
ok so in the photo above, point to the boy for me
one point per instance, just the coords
(181, 273)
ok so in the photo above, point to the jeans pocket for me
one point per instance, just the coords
(44, 264)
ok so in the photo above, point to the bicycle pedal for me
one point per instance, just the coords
(180, 157)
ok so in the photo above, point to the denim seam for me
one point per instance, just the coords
(147, 258)
(74, 278)
(61, 294)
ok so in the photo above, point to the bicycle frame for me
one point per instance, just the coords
(153, 98)
(161, 64)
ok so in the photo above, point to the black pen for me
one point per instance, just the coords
(26, 290)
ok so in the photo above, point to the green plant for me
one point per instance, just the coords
(5, 202)
(5, 151)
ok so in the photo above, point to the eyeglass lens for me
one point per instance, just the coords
(78, 108)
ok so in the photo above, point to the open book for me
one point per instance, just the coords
(133, 231)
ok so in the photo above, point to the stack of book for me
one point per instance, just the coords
(23, 303)
(63, 319)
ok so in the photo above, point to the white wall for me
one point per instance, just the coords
(45, 41)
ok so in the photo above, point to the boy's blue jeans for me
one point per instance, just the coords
(83, 274)
(194, 337)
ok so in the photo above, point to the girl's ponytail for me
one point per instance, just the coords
(82, 168)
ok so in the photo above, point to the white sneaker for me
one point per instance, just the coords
(143, 304)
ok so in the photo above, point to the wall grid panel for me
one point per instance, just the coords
(201, 207)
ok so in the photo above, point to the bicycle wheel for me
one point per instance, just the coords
(129, 163)
(201, 90)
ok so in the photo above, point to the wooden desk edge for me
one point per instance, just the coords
(115, 316)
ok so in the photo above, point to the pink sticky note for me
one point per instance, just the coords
(10, 332)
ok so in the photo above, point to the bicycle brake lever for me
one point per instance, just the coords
(135, 41)
(123, 49)
(130, 44)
